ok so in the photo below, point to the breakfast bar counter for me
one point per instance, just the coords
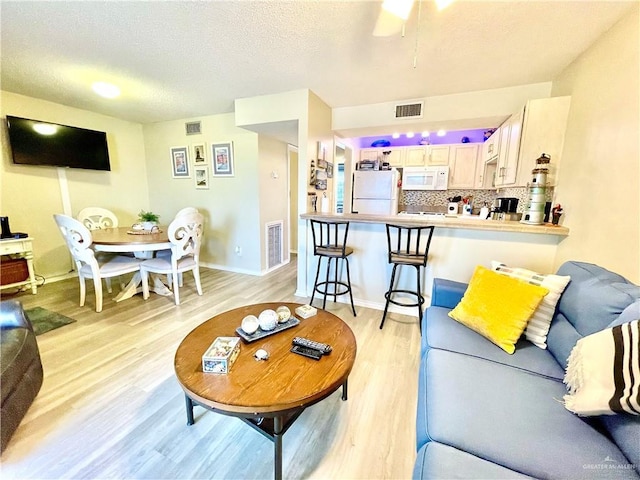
(459, 244)
(467, 222)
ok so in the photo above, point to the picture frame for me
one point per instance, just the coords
(321, 180)
(322, 164)
(322, 152)
(199, 153)
(329, 170)
(180, 162)
(222, 159)
(201, 174)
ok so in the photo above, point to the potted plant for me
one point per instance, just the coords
(148, 220)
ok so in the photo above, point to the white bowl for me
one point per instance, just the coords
(268, 320)
(250, 324)
(284, 313)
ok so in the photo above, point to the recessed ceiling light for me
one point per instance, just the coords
(409, 134)
(107, 90)
(395, 135)
(442, 133)
(45, 128)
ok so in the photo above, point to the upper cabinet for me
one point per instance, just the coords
(462, 166)
(393, 155)
(421, 156)
(507, 169)
(490, 147)
(415, 156)
(543, 130)
(539, 128)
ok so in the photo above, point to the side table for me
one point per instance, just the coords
(21, 248)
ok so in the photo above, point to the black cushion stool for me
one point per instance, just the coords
(330, 242)
(407, 245)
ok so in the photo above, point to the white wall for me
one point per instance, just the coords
(453, 112)
(230, 205)
(598, 184)
(30, 195)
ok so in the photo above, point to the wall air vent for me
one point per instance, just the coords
(409, 110)
(274, 244)
(193, 128)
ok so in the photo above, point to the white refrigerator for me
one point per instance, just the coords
(375, 192)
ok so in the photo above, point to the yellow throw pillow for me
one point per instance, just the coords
(498, 307)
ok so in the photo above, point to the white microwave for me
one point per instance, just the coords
(425, 178)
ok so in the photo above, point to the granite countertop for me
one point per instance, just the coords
(469, 222)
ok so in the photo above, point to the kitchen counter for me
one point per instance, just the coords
(468, 222)
(458, 245)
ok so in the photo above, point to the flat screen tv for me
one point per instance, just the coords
(35, 142)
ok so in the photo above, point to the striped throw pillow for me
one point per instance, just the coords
(603, 372)
(539, 323)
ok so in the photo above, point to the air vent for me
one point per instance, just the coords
(193, 128)
(409, 110)
(274, 244)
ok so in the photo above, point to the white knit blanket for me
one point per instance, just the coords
(603, 372)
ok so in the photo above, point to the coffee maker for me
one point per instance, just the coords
(6, 230)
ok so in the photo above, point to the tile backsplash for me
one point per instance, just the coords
(439, 198)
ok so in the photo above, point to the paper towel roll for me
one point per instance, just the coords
(324, 205)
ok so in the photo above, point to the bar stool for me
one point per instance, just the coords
(411, 247)
(330, 242)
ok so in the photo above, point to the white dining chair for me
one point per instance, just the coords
(185, 234)
(95, 218)
(78, 239)
(167, 253)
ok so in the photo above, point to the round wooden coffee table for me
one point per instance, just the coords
(268, 395)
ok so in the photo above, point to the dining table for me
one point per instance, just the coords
(143, 244)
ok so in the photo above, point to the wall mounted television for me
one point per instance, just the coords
(35, 142)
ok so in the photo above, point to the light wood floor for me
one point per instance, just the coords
(110, 406)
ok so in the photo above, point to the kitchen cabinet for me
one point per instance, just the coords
(485, 174)
(421, 156)
(462, 166)
(394, 156)
(543, 131)
(491, 146)
(438, 155)
(415, 156)
(507, 168)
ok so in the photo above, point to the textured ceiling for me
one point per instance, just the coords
(181, 59)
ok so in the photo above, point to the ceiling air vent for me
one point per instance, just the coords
(409, 110)
(193, 128)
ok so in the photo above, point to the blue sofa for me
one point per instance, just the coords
(485, 414)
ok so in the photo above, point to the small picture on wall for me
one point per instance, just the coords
(329, 170)
(321, 180)
(222, 159)
(180, 162)
(202, 177)
(199, 150)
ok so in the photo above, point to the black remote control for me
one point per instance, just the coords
(305, 342)
(307, 352)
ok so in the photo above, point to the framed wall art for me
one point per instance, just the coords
(222, 159)
(199, 153)
(180, 162)
(201, 173)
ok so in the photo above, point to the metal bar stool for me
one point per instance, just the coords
(330, 242)
(411, 247)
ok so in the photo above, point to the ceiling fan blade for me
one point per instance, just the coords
(387, 24)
